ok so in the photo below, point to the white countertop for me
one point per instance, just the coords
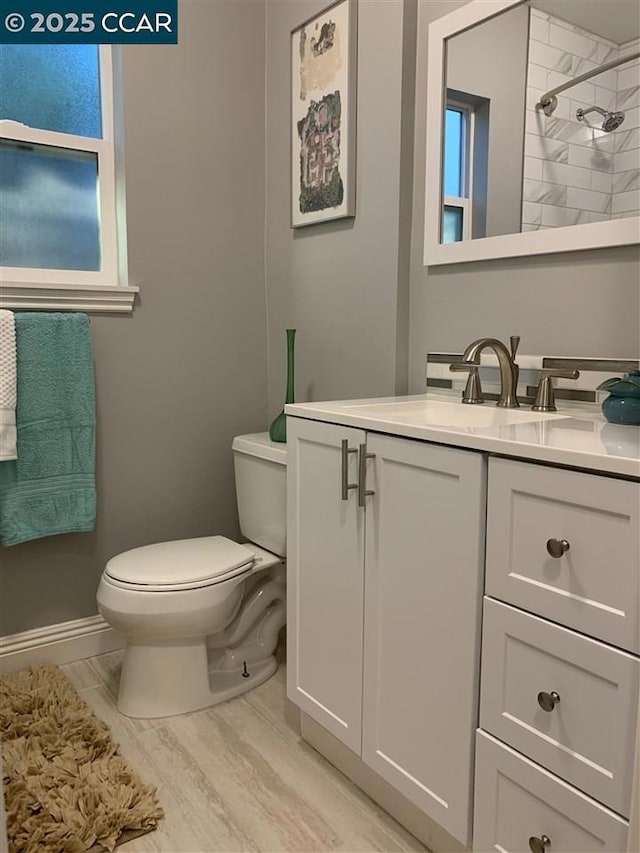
(576, 435)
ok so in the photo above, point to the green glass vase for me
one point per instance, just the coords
(278, 428)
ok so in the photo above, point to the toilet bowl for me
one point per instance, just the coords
(201, 617)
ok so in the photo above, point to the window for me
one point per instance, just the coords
(58, 201)
(458, 145)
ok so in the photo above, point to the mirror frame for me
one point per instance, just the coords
(571, 238)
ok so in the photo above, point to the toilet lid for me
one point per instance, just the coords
(189, 562)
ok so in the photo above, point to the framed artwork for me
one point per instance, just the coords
(323, 115)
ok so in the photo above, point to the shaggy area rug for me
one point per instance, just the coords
(66, 786)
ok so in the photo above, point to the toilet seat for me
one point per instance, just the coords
(180, 565)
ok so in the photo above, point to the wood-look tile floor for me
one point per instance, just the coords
(238, 777)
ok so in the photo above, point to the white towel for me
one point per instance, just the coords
(8, 387)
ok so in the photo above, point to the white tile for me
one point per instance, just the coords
(527, 227)
(575, 132)
(532, 97)
(626, 202)
(563, 108)
(533, 168)
(628, 214)
(539, 29)
(631, 119)
(599, 217)
(626, 181)
(568, 176)
(544, 193)
(590, 158)
(606, 53)
(580, 92)
(605, 98)
(588, 200)
(558, 217)
(626, 139)
(603, 141)
(546, 149)
(535, 122)
(538, 13)
(628, 76)
(623, 161)
(601, 182)
(606, 79)
(572, 42)
(536, 76)
(551, 58)
(628, 98)
(531, 213)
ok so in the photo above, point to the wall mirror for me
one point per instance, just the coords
(533, 129)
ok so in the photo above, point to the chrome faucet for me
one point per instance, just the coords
(509, 371)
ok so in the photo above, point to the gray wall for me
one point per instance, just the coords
(344, 285)
(183, 374)
(578, 303)
(490, 62)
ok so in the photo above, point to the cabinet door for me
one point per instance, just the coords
(325, 579)
(423, 593)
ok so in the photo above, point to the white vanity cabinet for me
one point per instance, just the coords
(399, 686)
(560, 665)
(384, 605)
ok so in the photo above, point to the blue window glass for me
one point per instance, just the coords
(454, 143)
(52, 87)
(48, 208)
(452, 224)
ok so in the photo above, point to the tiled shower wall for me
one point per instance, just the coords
(573, 171)
(626, 160)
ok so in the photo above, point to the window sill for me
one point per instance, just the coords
(92, 298)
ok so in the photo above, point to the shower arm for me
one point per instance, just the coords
(549, 102)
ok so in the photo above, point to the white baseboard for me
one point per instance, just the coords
(58, 644)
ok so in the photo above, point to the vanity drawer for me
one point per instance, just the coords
(515, 801)
(586, 736)
(594, 585)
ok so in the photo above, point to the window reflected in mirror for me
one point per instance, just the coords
(527, 143)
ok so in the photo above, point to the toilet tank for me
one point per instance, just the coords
(261, 481)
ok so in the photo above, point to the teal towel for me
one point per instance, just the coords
(50, 487)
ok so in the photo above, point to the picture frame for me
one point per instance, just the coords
(323, 115)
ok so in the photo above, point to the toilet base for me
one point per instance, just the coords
(154, 695)
(164, 679)
(225, 685)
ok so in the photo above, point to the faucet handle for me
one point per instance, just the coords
(545, 397)
(514, 341)
(472, 390)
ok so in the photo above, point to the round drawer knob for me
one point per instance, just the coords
(557, 547)
(548, 701)
(539, 845)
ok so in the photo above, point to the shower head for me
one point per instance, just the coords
(612, 120)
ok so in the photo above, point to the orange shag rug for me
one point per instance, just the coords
(66, 786)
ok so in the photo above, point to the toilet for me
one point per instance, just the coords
(201, 617)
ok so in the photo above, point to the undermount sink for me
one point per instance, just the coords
(439, 413)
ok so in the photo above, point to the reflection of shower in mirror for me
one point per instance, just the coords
(612, 120)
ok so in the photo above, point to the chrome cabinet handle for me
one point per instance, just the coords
(539, 845)
(362, 474)
(548, 701)
(346, 485)
(557, 547)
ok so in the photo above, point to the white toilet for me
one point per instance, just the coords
(201, 617)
